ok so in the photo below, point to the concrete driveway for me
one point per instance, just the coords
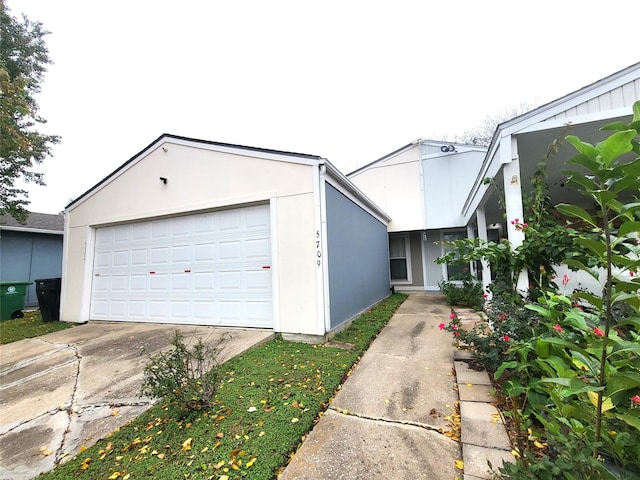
(68, 389)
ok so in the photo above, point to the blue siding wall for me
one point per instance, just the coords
(357, 255)
(25, 257)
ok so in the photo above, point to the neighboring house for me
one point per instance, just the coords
(198, 232)
(422, 186)
(519, 144)
(31, 251)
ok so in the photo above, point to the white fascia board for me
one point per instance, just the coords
(353, 193)
(237, 150)
(577, 120)
(31, 230)
(389, 156)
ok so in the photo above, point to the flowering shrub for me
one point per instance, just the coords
(578, 384)
(569, 364)
(506, 322)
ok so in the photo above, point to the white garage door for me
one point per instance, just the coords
(204, 269)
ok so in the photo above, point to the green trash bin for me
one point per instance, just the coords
(12, 296)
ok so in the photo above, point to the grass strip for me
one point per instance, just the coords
(269, 399)
(30, 326)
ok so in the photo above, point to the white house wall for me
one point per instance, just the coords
(394, 185)
(447, 180)
(199, 179)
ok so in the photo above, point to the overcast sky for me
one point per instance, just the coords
(347, 80)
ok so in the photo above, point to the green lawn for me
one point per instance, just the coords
(270, 398)
(28, 327)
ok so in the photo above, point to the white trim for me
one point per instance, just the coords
(319, 244)
(234, 150)
(423, 252)
(324, 239)
(87, 284)
(575, 120)
(407, 257)
(275, 261)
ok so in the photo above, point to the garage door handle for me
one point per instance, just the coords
(266, 266)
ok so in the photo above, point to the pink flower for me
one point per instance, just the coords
(557, 327)
(598, 332)
(457, 334)
(506, 338)
(484, 295)
(454, 326)
(441, 326)
(636, 399)
(452, 315)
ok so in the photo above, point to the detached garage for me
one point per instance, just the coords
(196, 232)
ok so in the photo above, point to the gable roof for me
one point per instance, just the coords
(211, 145)
(35, 223)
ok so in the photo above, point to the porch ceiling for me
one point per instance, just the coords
(532, 148)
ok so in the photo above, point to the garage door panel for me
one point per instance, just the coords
(230, 250)
(258, 249)
(258, 279)
(230, 280)
(205, 268)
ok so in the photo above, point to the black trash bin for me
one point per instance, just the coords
(48, 292)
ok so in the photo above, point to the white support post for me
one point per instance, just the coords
(482, 235)
(513, 203)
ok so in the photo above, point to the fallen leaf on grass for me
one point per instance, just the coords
(294, 420)
(186, 445)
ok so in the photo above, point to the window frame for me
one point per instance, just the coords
(444, 251)
(407, 259)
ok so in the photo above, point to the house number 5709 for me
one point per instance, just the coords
(318, 251)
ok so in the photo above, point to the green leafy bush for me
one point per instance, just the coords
(185, 377)
(467, 293)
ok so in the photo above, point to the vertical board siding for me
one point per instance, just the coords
(357, 255)
(415, 241)
(623, 96)
(26, 257)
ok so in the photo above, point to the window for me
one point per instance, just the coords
(454, 272)
(399, 258)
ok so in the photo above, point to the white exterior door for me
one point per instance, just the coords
(203, 269)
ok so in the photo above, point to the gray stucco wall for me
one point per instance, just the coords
(357, 256)
(25, 257)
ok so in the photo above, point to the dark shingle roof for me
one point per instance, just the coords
(34, 221)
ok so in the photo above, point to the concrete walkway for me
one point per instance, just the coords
(396, 417)
(68, 389)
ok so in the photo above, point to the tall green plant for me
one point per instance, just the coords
(582, 377)
(606, 179)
